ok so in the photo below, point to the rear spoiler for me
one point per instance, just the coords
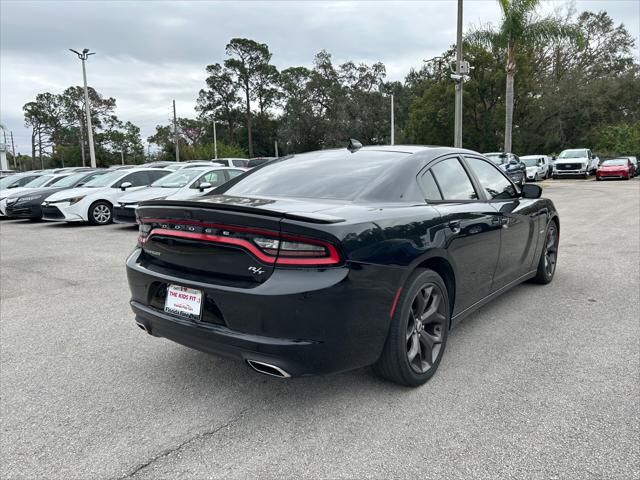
(308, 217)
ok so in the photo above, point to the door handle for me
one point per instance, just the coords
(455, 226)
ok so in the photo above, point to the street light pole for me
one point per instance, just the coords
(457, 141)
(215, 140)
(175, 132)
(84, 56)
(393, 129)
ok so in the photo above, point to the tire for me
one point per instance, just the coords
(554, 177)
(598, 179)
(548, 256)
(100, 213)
(410, 343)
(585, 175)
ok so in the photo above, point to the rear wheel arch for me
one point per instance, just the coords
(442, 267)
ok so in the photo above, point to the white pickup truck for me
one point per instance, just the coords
(575, 161)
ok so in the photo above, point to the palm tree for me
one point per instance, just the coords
(520, 27)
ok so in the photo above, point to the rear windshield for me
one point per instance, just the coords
(331, 174)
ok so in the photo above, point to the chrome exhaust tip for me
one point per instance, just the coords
(267, 369)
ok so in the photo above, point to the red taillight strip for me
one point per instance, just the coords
(238, 242)
(332, 259)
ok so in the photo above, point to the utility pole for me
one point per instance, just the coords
(122, 155)
(13, 150)
(148, 152)
(393, 128)
(275, 145)
(84, 56)
(457, 142)
(175, 132)
(3, 152)
(215, 140)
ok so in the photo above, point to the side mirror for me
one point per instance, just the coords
(529, 190)
(513, 161)
(125, 185)
(204, 185)
(13, 186)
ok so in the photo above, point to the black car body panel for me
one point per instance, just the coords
(310, 319)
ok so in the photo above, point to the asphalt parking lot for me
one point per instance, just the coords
(542, 383)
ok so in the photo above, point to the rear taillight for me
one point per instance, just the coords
(267, 246)
(143, 232)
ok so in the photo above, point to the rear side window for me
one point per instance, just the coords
(494, 183)
(430, 187)
(240, 163)
(453, 180)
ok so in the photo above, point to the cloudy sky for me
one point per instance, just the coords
(150, 52)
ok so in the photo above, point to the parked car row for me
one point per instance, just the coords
(580, 162)
(101, 196)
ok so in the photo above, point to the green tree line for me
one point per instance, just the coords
(539, 85)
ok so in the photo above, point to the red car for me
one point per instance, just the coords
(616, 168)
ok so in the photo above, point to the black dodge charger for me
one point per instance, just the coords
(337, 259)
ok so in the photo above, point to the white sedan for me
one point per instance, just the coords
(94, 201)
(185, 183)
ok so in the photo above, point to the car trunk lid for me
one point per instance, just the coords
(237, 240)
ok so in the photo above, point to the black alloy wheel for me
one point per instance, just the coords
(425, 326)
(549, 256)
(418, 332)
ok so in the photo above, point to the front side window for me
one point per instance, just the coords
(137, 179)
(453, 180)
(177, 179)
(215, 178)
(234, 173)
(494, 183)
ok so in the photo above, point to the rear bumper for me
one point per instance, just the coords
(305, 322)
(124, 215)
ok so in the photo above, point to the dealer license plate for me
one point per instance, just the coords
(183, 302)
